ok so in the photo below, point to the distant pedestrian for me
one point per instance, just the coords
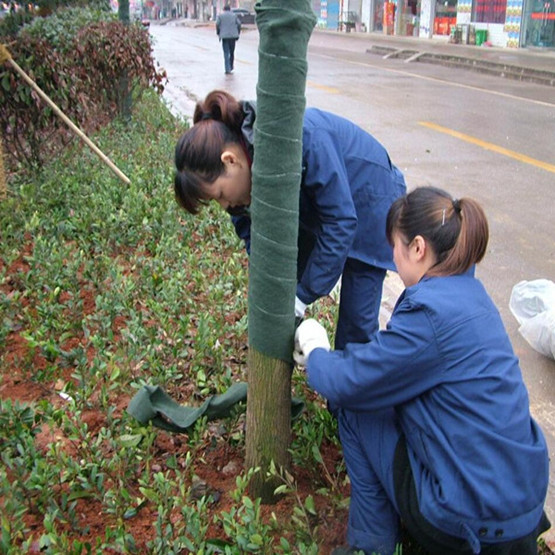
(228, 28)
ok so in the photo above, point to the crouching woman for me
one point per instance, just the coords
(434, 415)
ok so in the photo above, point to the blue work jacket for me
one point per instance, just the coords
(348, 185)
(445, 362)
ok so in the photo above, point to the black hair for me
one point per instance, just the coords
(217, 122)
(456, 229)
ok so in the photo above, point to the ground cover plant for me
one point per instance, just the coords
(106, 287)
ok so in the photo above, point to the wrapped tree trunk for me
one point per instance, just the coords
(284, 28)
(2, 172)
(124, 90)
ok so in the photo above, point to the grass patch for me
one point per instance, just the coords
(106, 287)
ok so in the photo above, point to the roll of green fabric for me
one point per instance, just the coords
(153, 404)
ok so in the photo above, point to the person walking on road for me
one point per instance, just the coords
(228, 28)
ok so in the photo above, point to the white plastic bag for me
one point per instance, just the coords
(533, 305)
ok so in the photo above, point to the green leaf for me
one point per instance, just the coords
(130, 440)
(6, 82)
(247, 501)
(309, 505)
(316, 454)
(283, 489)
(79, 495)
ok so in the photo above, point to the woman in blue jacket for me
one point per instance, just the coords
(433, 413)
(348, 184)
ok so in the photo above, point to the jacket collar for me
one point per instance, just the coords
(247, 127)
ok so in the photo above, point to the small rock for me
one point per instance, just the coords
(231, 469)
(199, 488)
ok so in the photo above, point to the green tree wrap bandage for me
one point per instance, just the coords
(276, 173)
(153, 404)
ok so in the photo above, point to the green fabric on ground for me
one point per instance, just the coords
(153, 404)
(284, 30)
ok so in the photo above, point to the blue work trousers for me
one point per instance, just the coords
(228, 46)
(369, 441)
(383, 491)
(359, 305)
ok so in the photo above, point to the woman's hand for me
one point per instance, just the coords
(310, 335)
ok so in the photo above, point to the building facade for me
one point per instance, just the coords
(503, 23)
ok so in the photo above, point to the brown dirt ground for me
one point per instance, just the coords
(213, 466)
(17, 385)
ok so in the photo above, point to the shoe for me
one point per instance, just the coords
(229, 72)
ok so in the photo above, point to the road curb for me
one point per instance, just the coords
(509, 71)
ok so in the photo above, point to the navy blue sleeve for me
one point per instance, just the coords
(399, 364)
(326, 183)
(242, 225)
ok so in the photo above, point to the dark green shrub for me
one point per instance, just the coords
(107, 49)
(13, 22)
(61, 29)
(78, 62)
(30, 130)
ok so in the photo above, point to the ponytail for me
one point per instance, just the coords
(220, 106)
(457, 230)
(217, 122)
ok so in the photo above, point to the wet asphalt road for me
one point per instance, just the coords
(475, 135)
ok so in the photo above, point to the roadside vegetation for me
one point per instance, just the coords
(86, 61)
(105, 288)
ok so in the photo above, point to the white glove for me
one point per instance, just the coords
(300, 308)
(309, 336)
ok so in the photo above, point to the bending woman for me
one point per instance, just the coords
(348, 184)
(433, 413)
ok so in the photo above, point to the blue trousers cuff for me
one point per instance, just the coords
(372, 544)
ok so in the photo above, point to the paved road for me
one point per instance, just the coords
(472, 134)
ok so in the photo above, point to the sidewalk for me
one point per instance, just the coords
(537, 65)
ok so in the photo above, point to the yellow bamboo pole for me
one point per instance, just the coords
(6, 57)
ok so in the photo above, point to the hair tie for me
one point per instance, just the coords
(457, 205)
(206, 115)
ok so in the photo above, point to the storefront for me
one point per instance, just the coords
(445, 17)
(399, 17)
(378, 16)
(538, 24)
(410, 12)
(327, 12)
(501, 23)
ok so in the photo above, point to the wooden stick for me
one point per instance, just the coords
(5, 56)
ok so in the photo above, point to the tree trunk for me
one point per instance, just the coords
(284, 30)
(124, 90)
(2, 172)
(268, 421)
